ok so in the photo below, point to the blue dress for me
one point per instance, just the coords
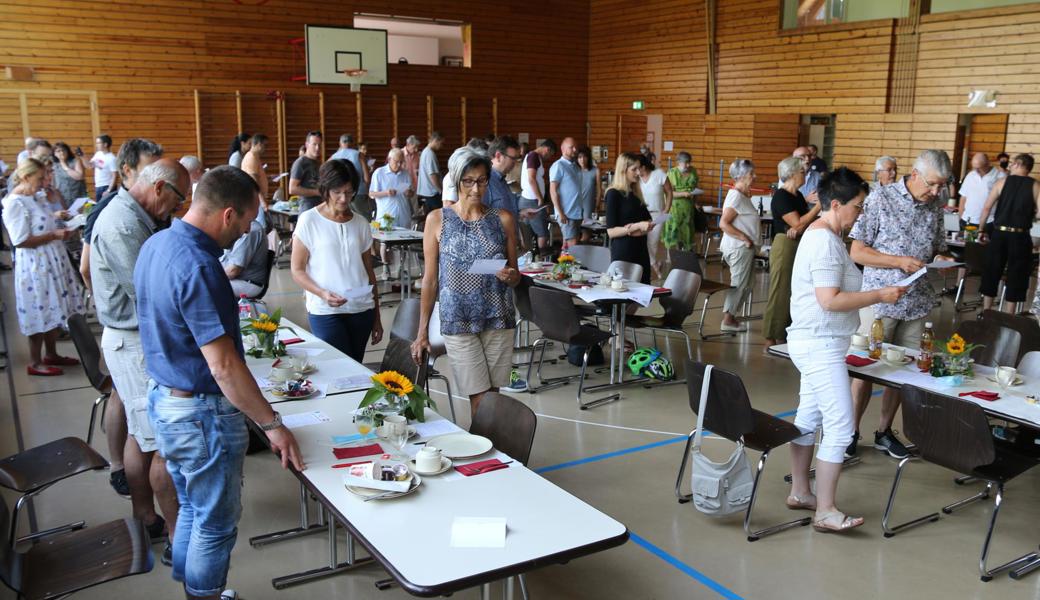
(472, 303)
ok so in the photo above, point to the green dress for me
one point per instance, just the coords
(678, 229)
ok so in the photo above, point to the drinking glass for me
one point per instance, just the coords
(298, 359)
(395, 428)
(364, 422)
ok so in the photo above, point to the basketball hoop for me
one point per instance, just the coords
(354, 77)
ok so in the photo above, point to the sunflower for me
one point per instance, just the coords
(956, 345)
(394, 382)
(565, 258)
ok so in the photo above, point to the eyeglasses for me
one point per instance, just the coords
(470, 182)
(173, 188)
(511, 157)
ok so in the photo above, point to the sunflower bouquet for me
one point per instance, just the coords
(564, 265)
(971, 233)
(394, 393)
(954, 358)
(265, 327)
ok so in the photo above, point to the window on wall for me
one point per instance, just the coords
(420, 41)
(810, 13)
(941, 6)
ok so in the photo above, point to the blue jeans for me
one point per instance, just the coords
(203, 440)
(347, 332)
(99, 192)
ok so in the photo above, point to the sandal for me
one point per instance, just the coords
(801, 503)
(836, 522)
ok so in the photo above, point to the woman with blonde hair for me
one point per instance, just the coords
(628, 219)
(47, 291)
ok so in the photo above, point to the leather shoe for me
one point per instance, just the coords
(44, 371)
(60, 361)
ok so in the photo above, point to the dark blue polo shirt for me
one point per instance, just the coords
(498, 194)
(184, 301)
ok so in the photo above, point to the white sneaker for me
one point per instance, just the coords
(732, 328)
(229, 595)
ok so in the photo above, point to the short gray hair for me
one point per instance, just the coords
(464, 159)
(414, 140)
(158, 171)
(190, 162)
(740, 168)
(684, 157)
(395, 152)
(935, 162)
(880, 162)
(788, 167)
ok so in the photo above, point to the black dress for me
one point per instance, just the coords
(622, 210)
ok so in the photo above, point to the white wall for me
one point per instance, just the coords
(418, 50)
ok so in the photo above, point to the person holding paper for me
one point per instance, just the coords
(900, 231)
(476, 310)
(740, 236)
(679, 231)
(332, 262)
(657, 193)
(589, 198)
(825, 298)
(628, 220)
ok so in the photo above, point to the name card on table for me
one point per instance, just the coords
(478, 532)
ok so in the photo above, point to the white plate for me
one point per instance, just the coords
(445, 465)
(461, 445)
(906, 360)
(364, 492)
(283, 395)
(1018, 380)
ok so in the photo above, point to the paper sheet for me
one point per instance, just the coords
(641, 294)
(431, 429)
(304, 419)
(478, 532)
(487, 266)
(76, 222)
(278, 178)
(660, 218)
(912, 278)
(263, 382)
(357, 293)
(943, 264)
(77, 205)
(353, 382)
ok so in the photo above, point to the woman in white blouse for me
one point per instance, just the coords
(825, 303)
(657, 193)
(740, 235)
(332, 261)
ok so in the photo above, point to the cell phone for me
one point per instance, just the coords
(79, 151)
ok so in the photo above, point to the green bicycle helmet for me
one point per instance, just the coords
(660, 369)
(640, 358)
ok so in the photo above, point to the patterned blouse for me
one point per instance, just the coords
(894, 223)
(472, 303)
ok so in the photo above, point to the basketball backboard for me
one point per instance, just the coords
(333, 50)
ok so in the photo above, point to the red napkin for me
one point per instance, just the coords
(479, 468)
(292, 341)
(357, 451)
(858, 361)
(661, 290)
(982, 395)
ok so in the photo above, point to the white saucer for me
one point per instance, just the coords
(445, 465)
(461, 445)
(365, 492)
(906, 360)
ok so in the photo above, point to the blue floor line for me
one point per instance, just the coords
(685, 568)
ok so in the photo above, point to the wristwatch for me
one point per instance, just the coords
(275, 424)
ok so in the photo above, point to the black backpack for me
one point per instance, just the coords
(575, 353)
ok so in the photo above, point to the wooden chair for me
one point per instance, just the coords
(31, 471)
(90, 357)
(64, 564)
(508, 423)
(729, 414)
(999, 344)
(955, 434)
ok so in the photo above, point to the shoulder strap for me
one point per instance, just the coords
(705, 384)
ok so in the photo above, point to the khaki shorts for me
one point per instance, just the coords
(901, 333)
(125, 359)
(480, 361)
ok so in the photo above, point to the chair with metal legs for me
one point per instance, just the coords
(90, 357)
(626, 270)
(1026, 325)
(955, 434)
(593, 258)
(557, 318)
(677, 307)
(438, 348)
(729, 414)
(998, 344)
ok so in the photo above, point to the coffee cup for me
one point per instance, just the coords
(859, 340)
(1006, 375)
(604, 279)
(894, 354)
(282, 373)
(428, 459)
(298, 359)
(617, 284)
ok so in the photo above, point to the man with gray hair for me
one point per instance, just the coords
(194, 167)
(975, 190)
(812, 176)
(885, 171)
(900, 230)
(411, 159)
(131, 218)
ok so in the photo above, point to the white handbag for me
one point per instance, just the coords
(718, 488)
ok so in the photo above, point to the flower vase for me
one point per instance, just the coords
(959, 364)
(562, 271)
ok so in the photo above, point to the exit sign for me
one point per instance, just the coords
(637, 105)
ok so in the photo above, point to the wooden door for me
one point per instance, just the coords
(988, 134)
(631, 133)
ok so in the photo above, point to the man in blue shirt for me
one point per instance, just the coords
(812, 176)
(201, 390)
(565, 191)
(505, 153)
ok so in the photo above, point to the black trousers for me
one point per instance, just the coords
(1014, 251)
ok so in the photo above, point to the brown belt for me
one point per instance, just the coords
(1011, 229)
(180, 393)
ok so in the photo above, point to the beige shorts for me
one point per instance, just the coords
(480, 361)
(900, 333)
(124, 356)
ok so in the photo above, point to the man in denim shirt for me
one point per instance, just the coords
(201, 390)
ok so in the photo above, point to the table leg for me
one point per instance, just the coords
(507, 588)
(485, 591)
(613, 342)
(305, 528)
(333, 567)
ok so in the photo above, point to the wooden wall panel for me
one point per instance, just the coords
(340, 118)
(219, 126)
(988, 134)
(12, 136)
(774, 137)
(259, 115)
(146, 67)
